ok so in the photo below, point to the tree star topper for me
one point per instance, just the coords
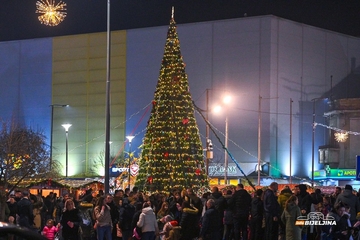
(51, 13)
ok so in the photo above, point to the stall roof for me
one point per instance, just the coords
(59, 183)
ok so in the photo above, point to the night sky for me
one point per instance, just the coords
(18, 19)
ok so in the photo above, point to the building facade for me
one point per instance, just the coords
(287, 64)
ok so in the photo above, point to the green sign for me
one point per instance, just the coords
(339, 173)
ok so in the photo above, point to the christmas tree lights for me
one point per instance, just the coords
(172, 155)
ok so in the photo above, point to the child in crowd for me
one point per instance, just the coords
(50, 230)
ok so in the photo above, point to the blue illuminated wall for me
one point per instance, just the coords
(25, 75)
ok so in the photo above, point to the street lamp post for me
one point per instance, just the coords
(226, 162)
(52, 128)
(313, 143)
(226, 100)
(208, 156)
(129, 138)
(107, 105)
(66, 127)
(313, 139)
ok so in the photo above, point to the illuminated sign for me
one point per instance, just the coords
(339, 173)
(215, 170)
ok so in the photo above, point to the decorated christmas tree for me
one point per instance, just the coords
(172, 154)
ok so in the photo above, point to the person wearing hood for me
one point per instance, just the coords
(189, 222)
(290, 214)
(347, 197)
(284, 195)
(147, 222)
(304, 199)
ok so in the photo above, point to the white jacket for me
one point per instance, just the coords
(147, 221)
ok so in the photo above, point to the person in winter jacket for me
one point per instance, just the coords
(228, 219)
(347, 197)
(175, 203)
(135, 218)
(103, 218)
(240, 204)
(220, 205)
(341, 230)
(304, 199)
(50, 230)
(148, 224)
(25, 211)
(272, 212)
(284, 195)
(189, 222)
(211, 222)
(70, 221)
(290, 214)
(257, 214)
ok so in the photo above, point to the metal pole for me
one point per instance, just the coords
(313, 145)
(51, 134)
(66, 126)
(207, 132)
(226, 146)
(259, 140)
(67, 154)
(291, 101)
(107, 117)
(52, 129)
(129, 164)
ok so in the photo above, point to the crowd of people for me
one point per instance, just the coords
(183, 215)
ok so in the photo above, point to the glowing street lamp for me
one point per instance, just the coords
(66, 127)
(226, 101)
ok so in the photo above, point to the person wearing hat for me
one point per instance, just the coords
(347, 197)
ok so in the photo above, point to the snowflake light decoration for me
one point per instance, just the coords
(51, 13)
(341, 136)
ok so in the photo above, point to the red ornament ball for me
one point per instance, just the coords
(197, 171)
(185, 121)
(150, 179)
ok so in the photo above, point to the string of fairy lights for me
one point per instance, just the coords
(337, 130)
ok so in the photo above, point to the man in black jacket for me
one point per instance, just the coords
(257, 214)
(240, 203)
(272, 212)
(220, 205)
(25, 211)
(211, 222)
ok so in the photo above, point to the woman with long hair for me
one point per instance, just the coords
(162, 213)
(70, 221)
(103, 219)
(290, 214)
